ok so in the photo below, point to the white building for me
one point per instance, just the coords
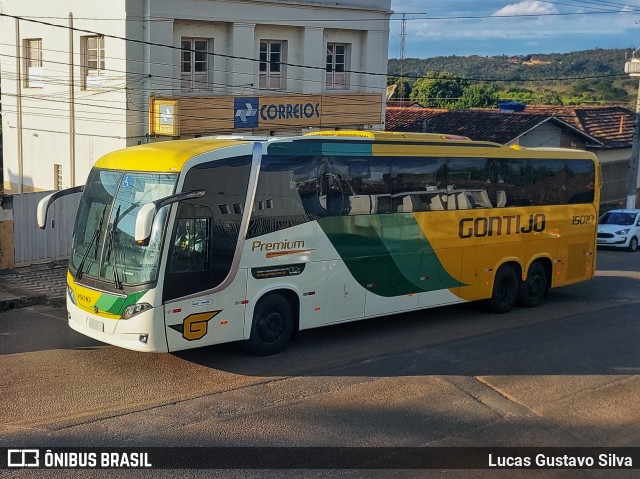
(81, 78)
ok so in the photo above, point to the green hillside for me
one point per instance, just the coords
(589, 76)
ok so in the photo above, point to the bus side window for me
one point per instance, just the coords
(335, 194)
(369, 178)
(189, 265)
(205, 232)
(414, 181)
(190, 249)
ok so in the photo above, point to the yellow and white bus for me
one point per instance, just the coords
(188, 243)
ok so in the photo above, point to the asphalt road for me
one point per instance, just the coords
(564, 374)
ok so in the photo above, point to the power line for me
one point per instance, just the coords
(601, 3)
(183, 115)
(173, 47)
(613, 8)
(137, 108)
(598, 6)
(140, 77)
(403, 19)
(172, 79)
(160, 19)
(520, 15)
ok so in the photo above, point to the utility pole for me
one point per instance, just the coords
(72, 109)
(633, 69)
(403, 37)
(19, 80)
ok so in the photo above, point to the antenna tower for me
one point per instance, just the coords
(403, 41)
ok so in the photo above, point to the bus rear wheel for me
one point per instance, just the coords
(534, 288)
(272, 325)
(505, 290)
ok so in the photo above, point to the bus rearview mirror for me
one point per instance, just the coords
(148, 211)
(45, 203)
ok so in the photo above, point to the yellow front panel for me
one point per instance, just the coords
(86, 298)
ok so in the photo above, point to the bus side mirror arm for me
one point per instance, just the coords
(148, 211)
(45, 203)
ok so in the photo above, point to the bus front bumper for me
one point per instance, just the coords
(144, 332)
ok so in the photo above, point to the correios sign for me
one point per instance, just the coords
(216, 114)
(250, 112)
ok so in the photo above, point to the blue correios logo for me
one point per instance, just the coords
(246, 112)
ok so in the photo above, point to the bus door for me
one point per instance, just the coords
(193, 316)
(201, 251)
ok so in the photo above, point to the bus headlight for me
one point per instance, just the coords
(71, 294)
(131, 311)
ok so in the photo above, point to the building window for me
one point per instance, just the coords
(337, 66)
(57, 177)
(33, 63)
(92, 52)
(272, 68)
(195, 64)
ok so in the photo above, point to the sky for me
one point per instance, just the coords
(502, 27)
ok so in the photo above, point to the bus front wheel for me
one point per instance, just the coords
(505, 290)
(272, 325)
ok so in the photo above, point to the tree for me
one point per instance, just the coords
(478, 96)
(403, 88)
(548, 97)
(439, 89)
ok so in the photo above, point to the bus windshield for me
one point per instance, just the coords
(103, 238)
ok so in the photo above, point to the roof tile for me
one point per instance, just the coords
(612, 127)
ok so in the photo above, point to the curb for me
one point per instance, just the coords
(26, 301)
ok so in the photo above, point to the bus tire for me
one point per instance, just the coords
(505, 290)
(272, 325)
(534, 289)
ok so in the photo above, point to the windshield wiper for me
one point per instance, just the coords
(112, 240)
(86, 253)
(96, 233)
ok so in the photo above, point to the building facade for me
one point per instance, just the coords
(83, 78)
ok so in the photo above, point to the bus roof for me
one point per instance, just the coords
(163, 155)
(389, 135)
(171, 156)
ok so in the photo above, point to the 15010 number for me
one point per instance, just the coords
(583, 220)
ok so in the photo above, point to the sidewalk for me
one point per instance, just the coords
(35, 284)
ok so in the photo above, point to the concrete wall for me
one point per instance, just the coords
(6, 234)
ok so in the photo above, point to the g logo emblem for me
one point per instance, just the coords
(195, 326)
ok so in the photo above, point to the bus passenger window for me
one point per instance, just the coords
(414, 180)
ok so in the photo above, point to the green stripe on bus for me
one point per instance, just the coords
(343, 148)
(115, 304)
(400, 261)
(321, 148)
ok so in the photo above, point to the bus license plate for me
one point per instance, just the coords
(95, 324)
